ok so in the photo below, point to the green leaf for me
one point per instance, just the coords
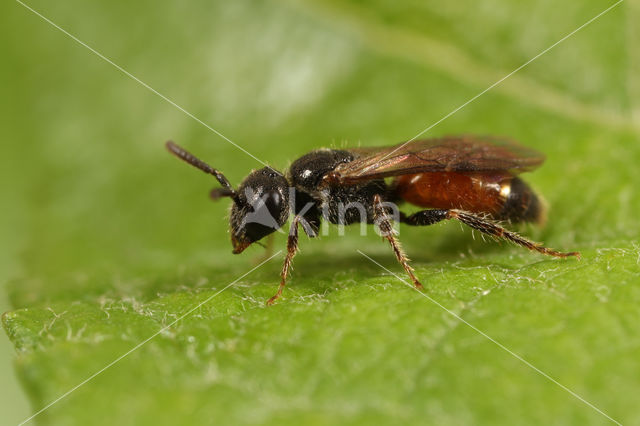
(109, 241)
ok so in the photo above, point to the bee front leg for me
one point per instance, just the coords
(292, 249)
(268, 250)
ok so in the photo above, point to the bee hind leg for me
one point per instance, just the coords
(493, 229)
(484, 225)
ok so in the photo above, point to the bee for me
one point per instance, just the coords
(471, 179)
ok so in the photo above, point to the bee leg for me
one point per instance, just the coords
(425, 217)
(292, 249)
(493, 229)
(268, 250)
(486, 226)
(385, 224)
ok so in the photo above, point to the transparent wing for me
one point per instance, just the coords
(465, 153)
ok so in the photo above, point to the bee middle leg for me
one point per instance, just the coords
(385, 224)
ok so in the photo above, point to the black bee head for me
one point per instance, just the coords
(261, 206)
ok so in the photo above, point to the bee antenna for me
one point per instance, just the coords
(226, 190)
(217, 193)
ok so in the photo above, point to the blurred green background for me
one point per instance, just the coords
(106, 239)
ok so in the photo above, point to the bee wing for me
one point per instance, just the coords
(465, 153)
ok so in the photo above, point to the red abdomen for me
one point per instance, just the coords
(499, 194)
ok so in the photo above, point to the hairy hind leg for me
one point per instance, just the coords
(492, 228)
(486, 226)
